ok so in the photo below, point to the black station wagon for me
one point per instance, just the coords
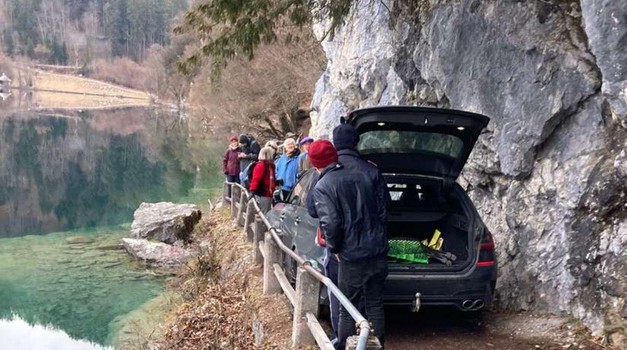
(420, 152)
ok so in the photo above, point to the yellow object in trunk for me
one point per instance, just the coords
(435, 242)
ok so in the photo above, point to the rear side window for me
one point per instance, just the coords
(298, 196)
(394, 141)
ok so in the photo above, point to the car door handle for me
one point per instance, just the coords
(297, 220)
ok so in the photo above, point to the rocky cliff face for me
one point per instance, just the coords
(549, 175)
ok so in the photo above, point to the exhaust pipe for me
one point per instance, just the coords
(467, 304)
(473, 305)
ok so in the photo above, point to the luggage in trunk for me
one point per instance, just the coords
(405, 238)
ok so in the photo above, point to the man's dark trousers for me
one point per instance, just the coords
(331, 271)
(363, 279)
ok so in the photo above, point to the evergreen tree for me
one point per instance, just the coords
(120, 28)
(77, 8)
(9, 44)
(24, 14)
(63, 55)
(54, 51)
(30, 49)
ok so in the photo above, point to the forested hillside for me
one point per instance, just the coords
(131, 43)
(77, 31)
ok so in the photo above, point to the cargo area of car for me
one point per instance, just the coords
(427, 227)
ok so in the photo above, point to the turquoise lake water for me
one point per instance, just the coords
(75, 283)
(69, 184)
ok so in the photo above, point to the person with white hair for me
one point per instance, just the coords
(263, 182)
(287, 166)
(275, 148)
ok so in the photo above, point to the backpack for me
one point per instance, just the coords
(247, 174)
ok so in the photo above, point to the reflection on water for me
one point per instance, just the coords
(18, 334)
(65, 170)
(78, 170)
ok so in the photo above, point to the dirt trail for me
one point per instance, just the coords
(430, 329)
(438, 329)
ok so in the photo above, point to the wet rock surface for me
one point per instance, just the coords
(548, 175)
(156, 254)
(159, 233)
(165, 222)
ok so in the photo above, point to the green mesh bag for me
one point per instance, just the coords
(408, 250)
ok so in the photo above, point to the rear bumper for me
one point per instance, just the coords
(440, 290)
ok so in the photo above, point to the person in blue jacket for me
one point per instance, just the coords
(287, 167)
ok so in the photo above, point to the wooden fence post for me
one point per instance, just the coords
(250, 219)
(307, 299)
(225, 192)
(234, 200)
(239, 220)
(258, 235)
(270, 282)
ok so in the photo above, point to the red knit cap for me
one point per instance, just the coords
(322, 153)
(233, 138)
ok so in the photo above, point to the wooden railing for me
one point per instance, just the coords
(304, 297)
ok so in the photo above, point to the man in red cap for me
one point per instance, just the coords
(353, 222)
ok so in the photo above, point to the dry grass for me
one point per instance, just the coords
(223, 293)
(68, 83)
(52, 100)
(70, 92)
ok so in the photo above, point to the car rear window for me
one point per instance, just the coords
(394, 141)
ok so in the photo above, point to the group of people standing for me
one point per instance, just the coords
(269, 169)
(349, 199)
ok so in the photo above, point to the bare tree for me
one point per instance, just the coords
(269, 94)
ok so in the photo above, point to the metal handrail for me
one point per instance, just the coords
(360, 320)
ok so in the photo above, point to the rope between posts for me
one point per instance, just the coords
(360, 320)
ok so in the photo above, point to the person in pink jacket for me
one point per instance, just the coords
(230, 162)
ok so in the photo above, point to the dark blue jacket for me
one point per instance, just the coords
(251, 150)
(351, 159)
(352, 217)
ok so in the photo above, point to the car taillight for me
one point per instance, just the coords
(486, 250)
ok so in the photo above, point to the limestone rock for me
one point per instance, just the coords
(156, 254)
(165, 222)
(549, 174)
(605, 22)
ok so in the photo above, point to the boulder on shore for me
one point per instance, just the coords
(156, 254)
(165, 222)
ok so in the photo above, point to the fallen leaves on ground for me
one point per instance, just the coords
(223, 293)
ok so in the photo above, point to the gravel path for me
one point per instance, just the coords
(438, 329)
